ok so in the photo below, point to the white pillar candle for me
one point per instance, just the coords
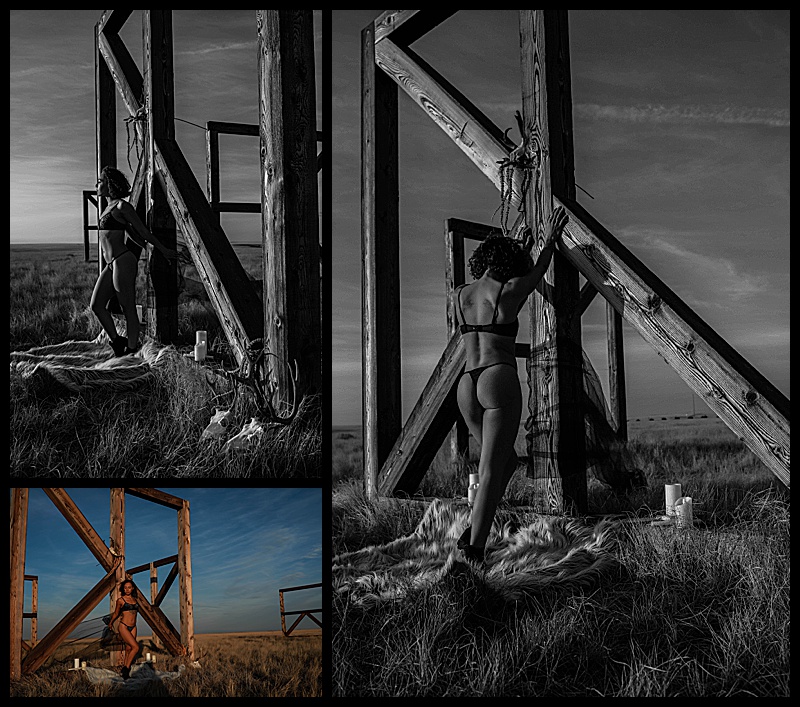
(672, 493)
(148, 657)
(154, 658)
(683, 511)
(201, 337)
(139, 312)
(77, 662)
(200, 351)
(83, 664)
(472, 489)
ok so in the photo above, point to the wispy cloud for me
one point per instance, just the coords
(219, 48)
(658, 113)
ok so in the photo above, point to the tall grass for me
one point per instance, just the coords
(697, 612)
(235, 665)
(151, 432)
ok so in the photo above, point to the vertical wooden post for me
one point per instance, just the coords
(185, 581)
(289, 199)
(380, 274)
(153, 594)
(34, 610)
(19, 530)
(86, 226)
(106, 139)
(454, 276)
(117, 544)
(616, 372)
(212, 168)
(162, 294)
(283, 618)
(556, 440)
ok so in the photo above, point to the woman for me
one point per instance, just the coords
(126, 610)
(122, 256)
(489, 393)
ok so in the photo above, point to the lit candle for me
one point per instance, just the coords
(77, 662)
(83, 664)
(683, 510)
(154, 658)
(148, 657)
(201, 337)
(672, 493)
(200, 351)
(139, 312)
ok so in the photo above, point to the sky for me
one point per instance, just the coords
(681, 134)
(246, 545)
(53, 155)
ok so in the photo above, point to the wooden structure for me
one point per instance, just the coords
(396, 457)
(302, 613)
(112, 559)
(168, 197)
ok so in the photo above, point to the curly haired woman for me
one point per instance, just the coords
(489, 392)
(122, 255)
(126, 609)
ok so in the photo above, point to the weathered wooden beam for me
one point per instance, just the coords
(407, 26)
(19, 532)
(117, 541)
(49, 643)
(427, 426)
(748, 403)
(236, 303)
(556, 437)
(160, 497)
(168, 581)
(111, 21)
(106, 132)
(127, 77)
(463, 122)
(616, 372)
(454, 277)
(380, 274)
(212, 169)
(585, 298)
(171, 560)
(219, 126)
(162, 290)
(161, 625)
(289, 200)
(80, 525)
(184, 567)
(240, 207)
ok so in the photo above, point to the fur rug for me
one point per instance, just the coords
(86, 365)
(552, 553)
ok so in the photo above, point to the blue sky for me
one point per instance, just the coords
(246, 544)
(681, 131)
(53, 115)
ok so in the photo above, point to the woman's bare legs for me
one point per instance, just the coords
(126, 268)
(100, 296)
(132, 648)
(492, 412)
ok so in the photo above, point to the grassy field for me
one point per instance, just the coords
(230, 665)
(153, 431)
(700, 612)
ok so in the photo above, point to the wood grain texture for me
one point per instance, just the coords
(380, 284)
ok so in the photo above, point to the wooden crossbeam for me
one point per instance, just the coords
(406, 26)
(747, 402)
(236, 303)
(42, 651)
(427, 425)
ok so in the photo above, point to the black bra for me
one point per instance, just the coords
(507, 329)
(107, 222)
(129, 607)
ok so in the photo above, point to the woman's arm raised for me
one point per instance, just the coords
(525, 284)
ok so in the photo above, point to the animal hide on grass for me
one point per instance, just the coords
(78, 366)
(551, 554)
